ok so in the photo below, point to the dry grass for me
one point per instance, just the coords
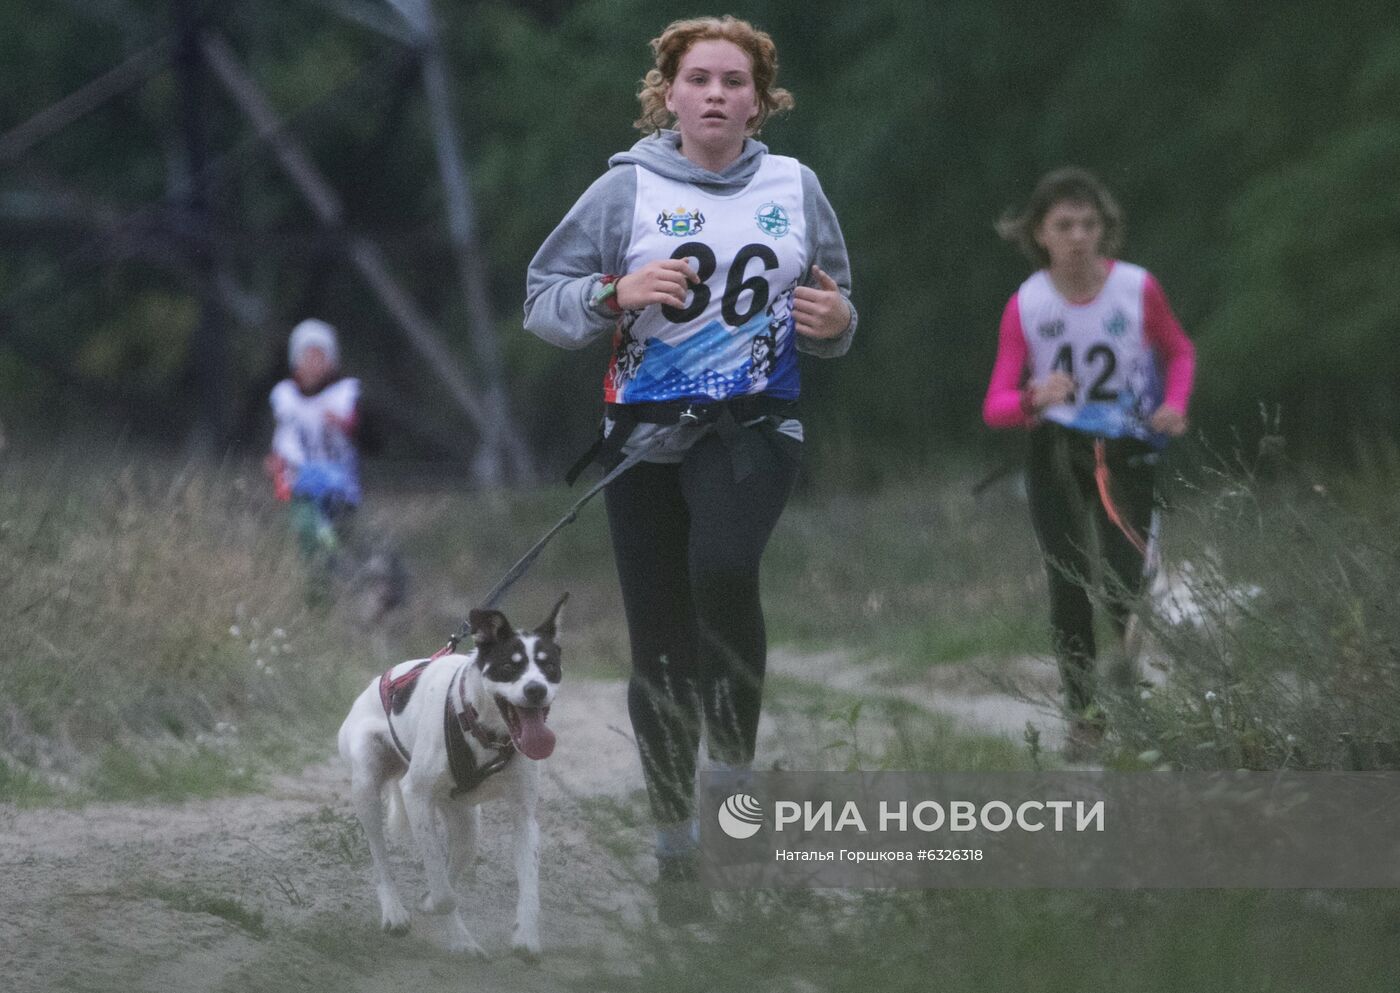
(144, 600)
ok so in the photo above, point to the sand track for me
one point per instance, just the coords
(271, 891)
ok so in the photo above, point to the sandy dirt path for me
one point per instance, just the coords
(995, 699)
(271, 891)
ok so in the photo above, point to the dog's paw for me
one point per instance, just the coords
(394, 920)
(437, 905)
(525, 947)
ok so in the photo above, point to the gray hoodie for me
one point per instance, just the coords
(593, 238)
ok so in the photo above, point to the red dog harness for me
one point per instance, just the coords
(458, 723)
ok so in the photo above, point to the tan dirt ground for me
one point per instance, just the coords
(271, 891)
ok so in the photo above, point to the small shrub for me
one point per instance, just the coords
(1281, 639)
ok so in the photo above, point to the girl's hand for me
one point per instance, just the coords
(340, 425)
(1168, 421)
(277, 470)
(820, 311)
(665, 281)
(1054, 388)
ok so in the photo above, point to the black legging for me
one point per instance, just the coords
(688, 539)
(1064, 497)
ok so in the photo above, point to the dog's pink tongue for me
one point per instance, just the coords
(536, 739)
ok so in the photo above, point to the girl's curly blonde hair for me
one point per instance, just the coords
(677, 39)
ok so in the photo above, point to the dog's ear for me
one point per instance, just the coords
(488, 626)
(550, 627)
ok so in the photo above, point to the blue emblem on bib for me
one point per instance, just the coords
(680, 223)
(773, 220)
(1117, 323)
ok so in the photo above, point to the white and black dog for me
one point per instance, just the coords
(437, 738)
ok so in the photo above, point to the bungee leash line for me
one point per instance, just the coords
(1102, 481)
(519, 569)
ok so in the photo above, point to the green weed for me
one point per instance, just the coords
(23, 788)
(1282, 640)
(337, 835)
(171, 774)
(1044, 941)
(189, 900)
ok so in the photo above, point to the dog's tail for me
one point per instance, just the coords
(395, 817)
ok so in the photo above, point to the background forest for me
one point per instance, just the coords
(154, 251)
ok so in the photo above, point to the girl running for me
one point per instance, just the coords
(712, 263)
(1093, 362)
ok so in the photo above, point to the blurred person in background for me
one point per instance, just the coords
(1094, 364)
(314, 465)
(711, 263)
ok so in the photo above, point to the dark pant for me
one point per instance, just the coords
(687, 539)
(1066, 512)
